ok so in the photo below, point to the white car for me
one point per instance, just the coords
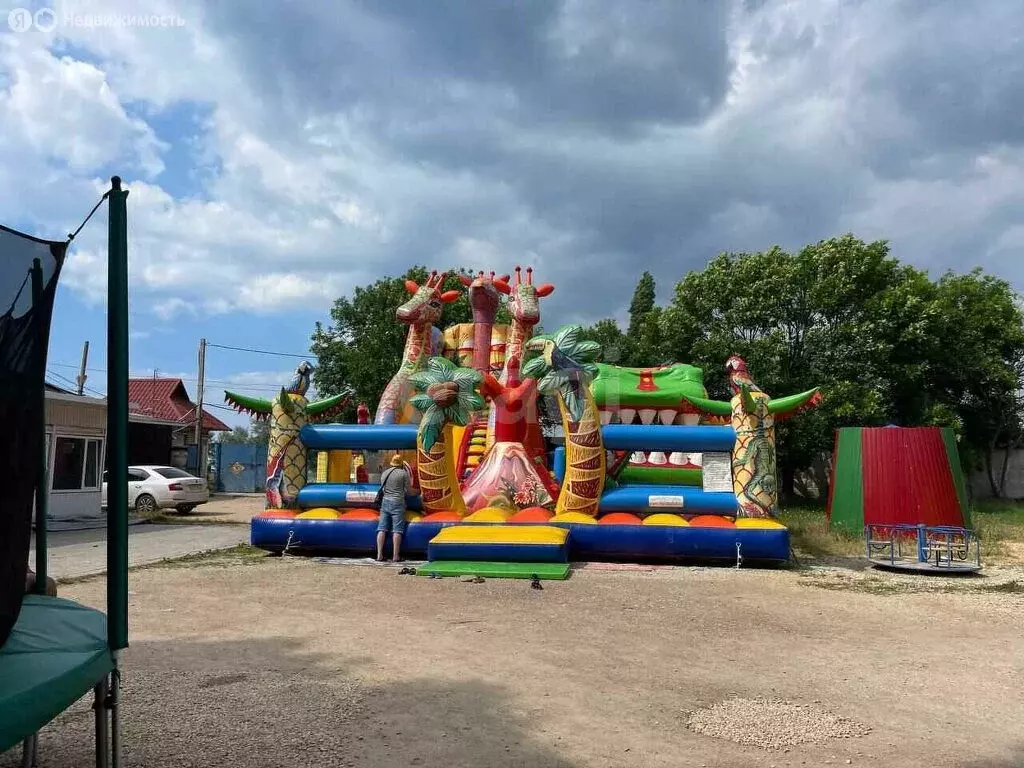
(157, 487)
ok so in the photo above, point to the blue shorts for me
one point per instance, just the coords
(392, 516)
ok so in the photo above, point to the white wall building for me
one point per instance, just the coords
(76, 428)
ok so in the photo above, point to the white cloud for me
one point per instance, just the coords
(402, 153)
(64, 109)
(283, 290)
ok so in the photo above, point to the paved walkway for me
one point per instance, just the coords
(73, 554)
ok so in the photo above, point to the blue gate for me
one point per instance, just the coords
(241, 468)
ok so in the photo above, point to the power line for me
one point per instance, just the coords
(259, 351)
(221, 407)
(236, 383)
(72, 383)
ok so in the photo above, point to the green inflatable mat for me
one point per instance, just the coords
(57, 652)
(551, 571)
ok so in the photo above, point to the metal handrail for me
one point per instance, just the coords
(941, 545)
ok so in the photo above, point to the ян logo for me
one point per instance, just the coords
(20, 20)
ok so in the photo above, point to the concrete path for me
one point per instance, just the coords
(73, 554)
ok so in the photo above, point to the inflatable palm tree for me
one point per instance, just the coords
(565, 368)
(445, 395)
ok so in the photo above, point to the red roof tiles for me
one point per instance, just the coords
(167, 399)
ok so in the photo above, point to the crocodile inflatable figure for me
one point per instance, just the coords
(288, 413)
(753, 415)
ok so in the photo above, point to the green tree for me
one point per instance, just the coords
(841, 314)
(643, 336)
(236, 436)
(362, 346)
(979, 363)
(885, 343)
(608, 334)
(648, 348)
(257, 433)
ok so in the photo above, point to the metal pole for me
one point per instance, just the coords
(30, 751)
(42, 461)
(117, 417)
(81, 372)
(200, 387)
(99, 704)
(115, 712)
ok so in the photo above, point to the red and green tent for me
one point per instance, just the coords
(896, 475)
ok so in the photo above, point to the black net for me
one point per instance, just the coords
(29, 269)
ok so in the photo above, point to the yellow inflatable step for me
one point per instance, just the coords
(501, 534)
(500, 544)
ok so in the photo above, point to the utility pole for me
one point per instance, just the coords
(81, 372)
(201, 468)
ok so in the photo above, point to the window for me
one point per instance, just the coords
(171, 473)
(92, 463)
(76, 462)
(137, 475)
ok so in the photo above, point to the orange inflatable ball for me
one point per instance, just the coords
(447, 516)
(620, 518)
(362, 513)
(531, 515)
(711, 521)
(320, 513)
(278, 513)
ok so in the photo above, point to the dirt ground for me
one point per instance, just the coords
(290, 662)
(225, 508)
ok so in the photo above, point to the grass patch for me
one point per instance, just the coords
(999, 524)
(165, 519)
(893, 584)
(1012, 587)
(809, 534)
(242, 554)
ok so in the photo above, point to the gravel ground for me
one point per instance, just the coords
(772, 723)
(288, 662)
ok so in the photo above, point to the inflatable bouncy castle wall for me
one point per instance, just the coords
(650, 467)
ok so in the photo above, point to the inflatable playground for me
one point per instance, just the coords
(648, 469)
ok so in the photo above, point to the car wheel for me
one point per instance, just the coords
(184, 509)
(145, 504)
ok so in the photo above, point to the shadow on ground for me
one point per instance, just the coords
(268, 703)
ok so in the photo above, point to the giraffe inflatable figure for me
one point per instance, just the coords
(420, 313)
(524, 307)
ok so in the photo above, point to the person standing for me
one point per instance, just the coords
(395, 483)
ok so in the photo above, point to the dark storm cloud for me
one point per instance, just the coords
(954, 71)
(601, 136)
(604, 65)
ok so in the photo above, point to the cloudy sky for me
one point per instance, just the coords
(279, 154)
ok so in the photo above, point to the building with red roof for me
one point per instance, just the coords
(163, 422)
